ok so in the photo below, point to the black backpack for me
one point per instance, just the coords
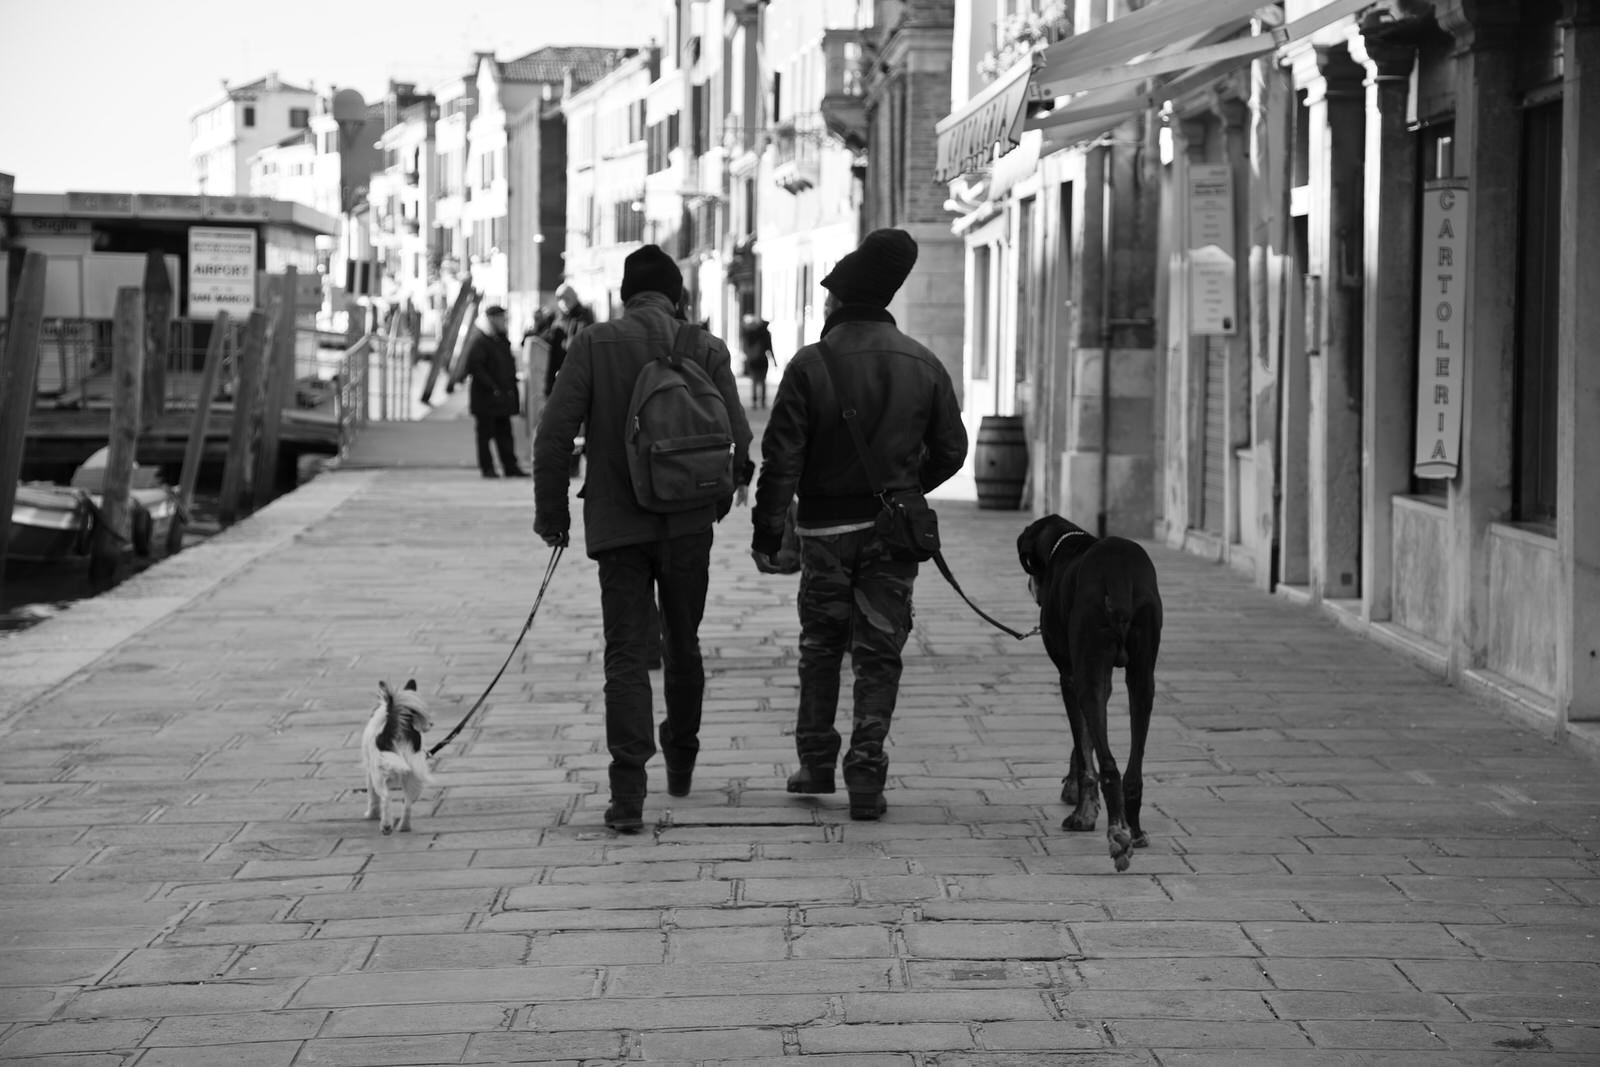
(679, 437)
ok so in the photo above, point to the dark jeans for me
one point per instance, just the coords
(852, 596)
(675, 572)
(495, 428)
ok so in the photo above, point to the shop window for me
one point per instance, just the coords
(1538, 315)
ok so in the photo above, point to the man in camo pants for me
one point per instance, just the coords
(853, 595)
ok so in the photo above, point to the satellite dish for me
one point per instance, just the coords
(349, 106)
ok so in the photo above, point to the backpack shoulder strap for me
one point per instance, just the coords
(686, 343)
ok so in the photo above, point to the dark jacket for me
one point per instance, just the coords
(909, 417)
(493, 370)
(593, 391)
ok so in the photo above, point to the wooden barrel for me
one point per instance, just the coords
(1001, 463)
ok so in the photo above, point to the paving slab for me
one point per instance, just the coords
(1350, 862)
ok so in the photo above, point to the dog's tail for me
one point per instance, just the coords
(1119, 616)
(410, 762)
(400, 741)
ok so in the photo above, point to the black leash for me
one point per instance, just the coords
(944, 569)
(549, 572)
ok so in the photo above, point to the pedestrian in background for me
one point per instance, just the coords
(493, 396)
(640, 553)
(570, 318)
(853, 595)
(756, 341)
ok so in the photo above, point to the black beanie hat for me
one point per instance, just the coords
(650, 269)
(874, 272)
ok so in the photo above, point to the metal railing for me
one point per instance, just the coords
(371, 379)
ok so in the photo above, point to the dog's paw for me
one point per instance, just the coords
(1120, 845)
(1079, 822)
(1141, 840)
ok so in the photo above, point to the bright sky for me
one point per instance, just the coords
(96, 95)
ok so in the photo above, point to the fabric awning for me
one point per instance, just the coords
(1106, 72)
(966, 138)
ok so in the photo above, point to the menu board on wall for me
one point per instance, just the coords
(1213, 292)
(1440, 333)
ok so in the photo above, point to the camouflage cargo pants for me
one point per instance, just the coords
(852, 597)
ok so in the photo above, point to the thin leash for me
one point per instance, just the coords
(944, 569)
(549, 572)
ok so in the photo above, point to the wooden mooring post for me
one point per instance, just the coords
(246, 402)
(194, 446)
(158, 336)
(115, 527)
(278, 392)
(19, 370)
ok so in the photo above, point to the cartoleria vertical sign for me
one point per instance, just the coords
(1441, 336)
(222, 271)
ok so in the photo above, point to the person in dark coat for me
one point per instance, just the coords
(493, 397)
(570, 318)
(756, 340)
(640, 553)
(854, 597)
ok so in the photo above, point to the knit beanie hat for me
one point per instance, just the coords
(874, 272)
(650, 269)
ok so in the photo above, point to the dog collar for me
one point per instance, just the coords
(1063, 537)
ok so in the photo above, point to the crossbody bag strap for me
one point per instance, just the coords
(869, 461)
(874, 474)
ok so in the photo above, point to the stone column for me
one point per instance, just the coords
(1488, 124)
(1389, 324)
(1235, 124)
(1578, 442)
(1335, 101)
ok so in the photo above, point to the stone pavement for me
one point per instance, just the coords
(1350, 862)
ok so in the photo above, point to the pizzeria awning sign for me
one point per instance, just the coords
(967, 139)
(1441, 335)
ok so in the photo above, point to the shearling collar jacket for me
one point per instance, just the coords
(908, 414)
(592, 394)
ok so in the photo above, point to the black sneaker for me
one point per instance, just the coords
(679, 783)
(867, 807)
(625, 816)
(811, 780)
(516, 472)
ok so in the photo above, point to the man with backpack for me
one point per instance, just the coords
(667, 444)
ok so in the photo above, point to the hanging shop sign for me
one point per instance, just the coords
(1213, 289)
(222, 271)
(1440, 332)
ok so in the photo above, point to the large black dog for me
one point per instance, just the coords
(1099, 608)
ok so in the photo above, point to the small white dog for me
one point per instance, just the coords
(391, 751)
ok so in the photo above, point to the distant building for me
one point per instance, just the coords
(402, 198)
(811, 199)
(233, 128)
(603, 215)
(518, 99)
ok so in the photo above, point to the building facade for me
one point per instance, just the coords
(229, 131)
(1301, 289)
(603, 215)
(809, 186)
